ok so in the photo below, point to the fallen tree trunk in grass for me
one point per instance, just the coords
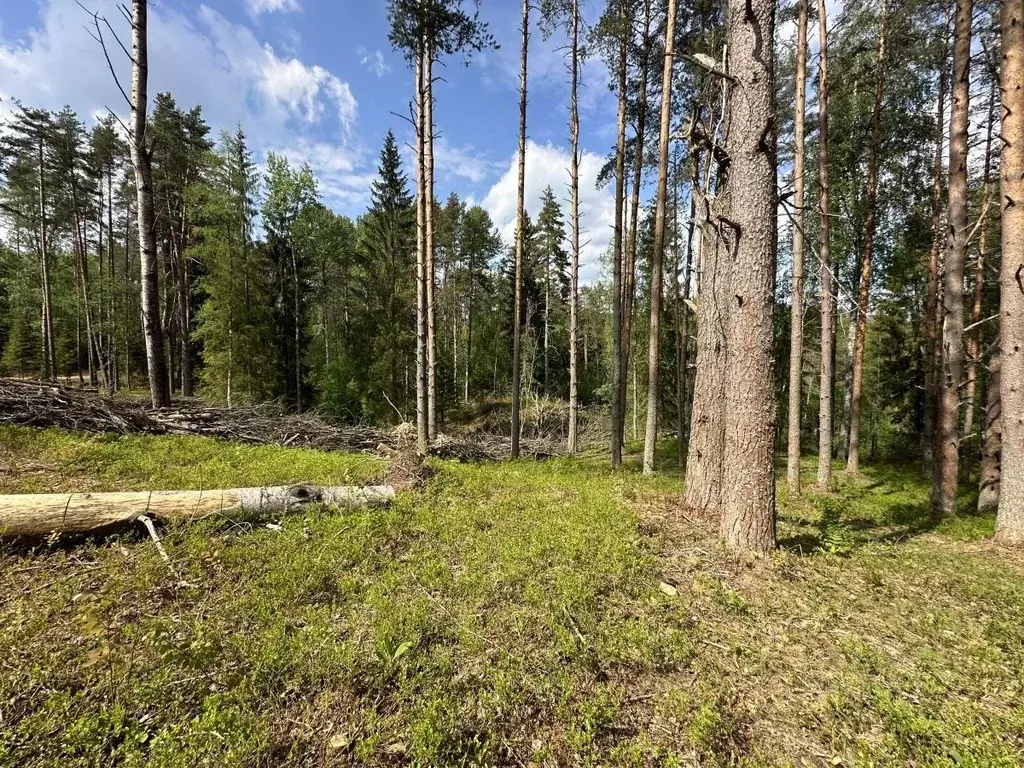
(41, 514)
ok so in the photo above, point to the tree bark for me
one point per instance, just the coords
(748, 492)
(947, 470)
(34, 515)
(49, 368)
(1010, 518)
(629, 267)
(991, 458)
(827, 302)
(703, 486)
(974, 340)
(574, 225)
(422, 430)
(932, 352)
(431, 267)
(658, 256)
(618, 393)
(864, 297)
(517, 319)
(796, 308)
(142, 163)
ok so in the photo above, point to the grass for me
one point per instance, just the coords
(521, 613)
(51, 460)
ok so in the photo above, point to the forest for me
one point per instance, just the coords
(285, 486)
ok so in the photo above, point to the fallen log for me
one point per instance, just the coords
(40, 514)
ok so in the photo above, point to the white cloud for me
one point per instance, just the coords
(256, 7)
(202, 59)
(547, 165)
(373, 61)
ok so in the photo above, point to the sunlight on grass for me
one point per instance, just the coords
(515, 613)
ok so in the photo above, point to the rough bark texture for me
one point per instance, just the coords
(658, 256)
(143, 167)
(748, 492)
(431, 269)
(947, 461)
(974, 340)
(991, 452)
(422, 430)
(864, 297)
(574, 225)
(1010, 518)
(618, 403)
(931, 321)
(41, 514)
(796, 328)
(517, 310)
(827, 301)
(49, 368)
(704, 457)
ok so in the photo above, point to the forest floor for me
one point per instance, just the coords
(507, 613)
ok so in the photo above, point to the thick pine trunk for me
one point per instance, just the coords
(864, 297)
(658, 256)
(574, 224)
(143, 166)
(517, 308)
(748, 490)
(1010, 518)
(34, 515)
(796, 317)
(49, 367)
(828, 320)
(948, 460)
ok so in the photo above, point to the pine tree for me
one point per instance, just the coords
(553, 268)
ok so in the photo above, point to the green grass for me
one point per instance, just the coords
(37, 461)
(521, 613)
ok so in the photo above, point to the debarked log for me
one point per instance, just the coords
(41, 514)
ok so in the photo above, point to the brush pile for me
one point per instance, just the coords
(37, 404)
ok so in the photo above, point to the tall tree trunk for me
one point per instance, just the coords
(629, 268)
(796, 315)
(947, 469)
(517, 319)
(932, 350)
(828, 320)
(658, 255)
(142, 162)
(618, 372)
(431, 276)
(864, 297)
(748, 492)
(112, 309)
(574, 225)
(703, 487)
(1010, 518)
(974, 340)
(422, 430)
(184, 314)
(991, 459)
(49, 367)
(297, 323)
(469, 331)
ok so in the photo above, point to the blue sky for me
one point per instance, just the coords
(318, 81)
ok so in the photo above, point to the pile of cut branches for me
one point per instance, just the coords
(36, 404)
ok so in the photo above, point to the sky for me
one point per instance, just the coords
(317, 81)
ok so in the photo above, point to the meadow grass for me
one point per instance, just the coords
(517, 613)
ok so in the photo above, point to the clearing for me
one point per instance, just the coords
(507, 613)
